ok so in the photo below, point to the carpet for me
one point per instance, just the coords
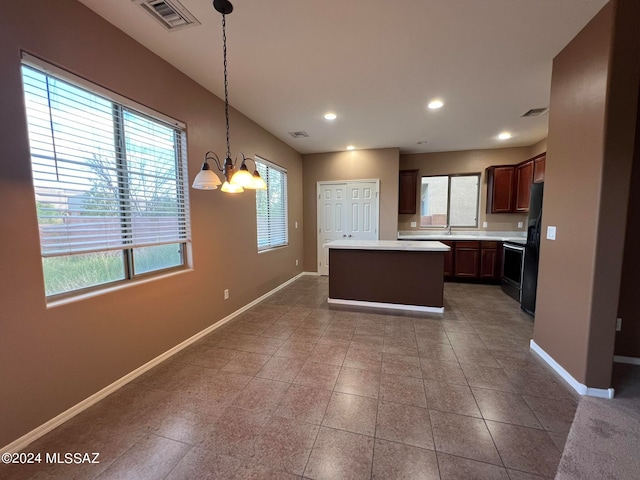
(604, 440)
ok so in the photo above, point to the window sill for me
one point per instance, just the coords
(279, 247)
(114, 288)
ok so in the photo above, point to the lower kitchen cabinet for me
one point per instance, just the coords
(490, 260)
(448, 259)
(473, 260)
(466, 262)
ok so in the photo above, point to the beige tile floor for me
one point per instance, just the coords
(294, 388)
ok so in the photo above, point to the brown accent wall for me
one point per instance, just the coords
(379, 164)
(628, 339)
(54, 357)
(589, 156)
(469, 161)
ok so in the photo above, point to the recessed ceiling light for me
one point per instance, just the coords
(350, 147)
(505, 136)
(330, 116)
(435, 104)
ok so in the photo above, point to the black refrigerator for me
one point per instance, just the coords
(532, 250)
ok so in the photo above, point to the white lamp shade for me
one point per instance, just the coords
(206, 180)
(258, 182)
(231, 188)
(242, 178)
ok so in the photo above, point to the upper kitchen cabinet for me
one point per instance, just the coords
(524, 179)
(408, 191)
(500, 189)
(509, 186)
(538, 168)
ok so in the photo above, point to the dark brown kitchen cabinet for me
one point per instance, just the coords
(500, 189)
(408, 191)
(538, 168)
(509, 186)
(466, 263)
(490, 260)
(524, 179)
(448, 258)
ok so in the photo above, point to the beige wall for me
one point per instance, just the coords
(52, 358)
(470, 161)
(589, 155)
(379, 164)
(537, 148)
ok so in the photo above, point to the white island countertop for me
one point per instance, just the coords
(397, 245)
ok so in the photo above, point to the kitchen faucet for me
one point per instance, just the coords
(448, 229)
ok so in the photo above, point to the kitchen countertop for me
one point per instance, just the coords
(403, 245)
(511, 237)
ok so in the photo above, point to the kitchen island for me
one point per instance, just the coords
(403, 275)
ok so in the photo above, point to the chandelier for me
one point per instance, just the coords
(235, 180)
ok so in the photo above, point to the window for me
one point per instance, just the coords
(108, 180)
(449, 200)
(271, 206)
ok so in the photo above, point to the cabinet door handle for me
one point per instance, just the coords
(349, 235)
(343, 236)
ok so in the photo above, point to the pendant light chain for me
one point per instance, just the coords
(226, 83)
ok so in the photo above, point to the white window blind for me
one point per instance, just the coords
(106, 176)
(271, 206)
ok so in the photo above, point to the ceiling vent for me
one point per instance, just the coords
(299, 134)
(169, 13)
(536, 112)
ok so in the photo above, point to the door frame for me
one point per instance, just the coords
(319, 247)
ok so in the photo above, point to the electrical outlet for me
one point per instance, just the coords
(551, 232)
(618, 324)
(414, 224)
(296, 262)
(226, 294)
(519, 224)
(485, 224)
(296, 224)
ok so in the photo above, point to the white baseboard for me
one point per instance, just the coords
(576, 385)
(315, 274)
(391, 306)
(45, 428)
(629, 360)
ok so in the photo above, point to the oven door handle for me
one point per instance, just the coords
(517, 248)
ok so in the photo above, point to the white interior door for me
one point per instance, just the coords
(345, 210)
(331, 219)
(362, 215)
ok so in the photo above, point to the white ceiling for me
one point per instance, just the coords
(376, 63)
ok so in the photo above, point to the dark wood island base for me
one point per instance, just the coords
(387, 274)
